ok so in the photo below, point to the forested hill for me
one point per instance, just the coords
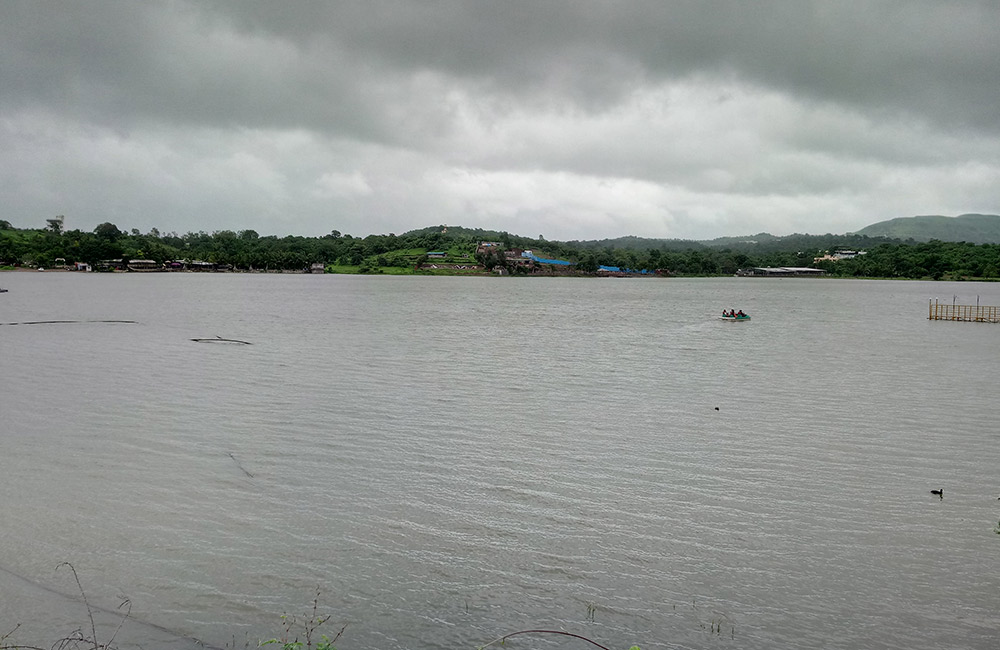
(759, 243)
(628, 243)
(972, 228)
(766, 243)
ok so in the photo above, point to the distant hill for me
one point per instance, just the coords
(633, 243)
(722, 242)
(767, 243)
(972, 228)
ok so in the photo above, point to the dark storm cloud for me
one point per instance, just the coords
(587, 117)
(934, 59)
(332, 65)
(122, 64)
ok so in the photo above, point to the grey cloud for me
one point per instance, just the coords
(328, 65)
(931, 58)
(124, 64)
(674, 116)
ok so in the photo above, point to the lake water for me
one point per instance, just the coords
(448, 460)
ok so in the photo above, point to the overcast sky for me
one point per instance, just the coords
(571, 119)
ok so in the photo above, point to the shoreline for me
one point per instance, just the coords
(446, 273)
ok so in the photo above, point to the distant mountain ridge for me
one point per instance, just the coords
(969, 228)
(972, 228)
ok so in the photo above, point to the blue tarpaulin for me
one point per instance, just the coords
(618, 269)
(542, 260)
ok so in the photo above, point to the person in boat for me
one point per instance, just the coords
(740, 315)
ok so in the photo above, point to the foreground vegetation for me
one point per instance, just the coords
(298, 632)
(408, 253)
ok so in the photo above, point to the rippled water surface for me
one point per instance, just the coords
(451, 459)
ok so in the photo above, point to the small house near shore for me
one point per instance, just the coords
(780, 271)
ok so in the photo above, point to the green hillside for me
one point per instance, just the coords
(952, 253)
(972, 228)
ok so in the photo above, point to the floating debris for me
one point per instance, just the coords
(219, 339)
(63, 322)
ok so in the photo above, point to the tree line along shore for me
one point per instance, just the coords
(442, 250)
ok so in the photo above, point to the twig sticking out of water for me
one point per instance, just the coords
(239, 465)
(5, 646)
(715, 624)
(77, 638)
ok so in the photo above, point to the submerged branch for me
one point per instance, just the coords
(502, 639)
(219, 339)
(64, 322)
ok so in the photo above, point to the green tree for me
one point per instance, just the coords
(588, 264)
(108, 231)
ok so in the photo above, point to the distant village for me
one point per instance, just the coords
(491, 257)
(503, 261)
(426, 253)
(495, 260)
(152, 266)
(799, 271)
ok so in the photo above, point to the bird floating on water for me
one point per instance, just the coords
(940, 492)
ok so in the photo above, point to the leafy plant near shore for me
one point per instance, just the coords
(306, 626)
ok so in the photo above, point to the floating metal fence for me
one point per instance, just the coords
(966, 313)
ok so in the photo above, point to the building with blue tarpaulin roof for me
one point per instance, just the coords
(542, 260)
(618, 269)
